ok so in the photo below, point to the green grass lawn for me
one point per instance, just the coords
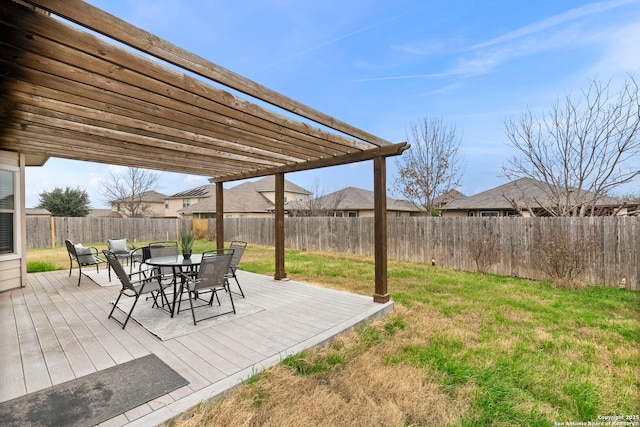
(460, 349)
(50, 259)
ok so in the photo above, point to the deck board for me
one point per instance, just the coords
(11, 376)
(54, 331)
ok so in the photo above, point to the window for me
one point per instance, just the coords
(489, 213)
(352, 214)
(337, 214)
(166, 204)
(8, 214)
(186, 202)
(470, 213)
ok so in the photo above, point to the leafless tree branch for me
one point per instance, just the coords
(579, 148)
(432, 166)
(126, 191)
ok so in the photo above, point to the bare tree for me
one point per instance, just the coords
(126, 191)
(580, 148)
(432, 166)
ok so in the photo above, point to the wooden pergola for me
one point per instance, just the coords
(68, 93)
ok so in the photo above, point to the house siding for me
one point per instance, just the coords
(13, 267)
(174, 206)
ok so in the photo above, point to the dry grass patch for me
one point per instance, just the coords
(361, 389)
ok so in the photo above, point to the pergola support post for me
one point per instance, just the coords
(219, 216)
(381, 294)
(279, 227)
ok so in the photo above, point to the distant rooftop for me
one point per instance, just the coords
(207, 190)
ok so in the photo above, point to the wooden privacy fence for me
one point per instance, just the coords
(52, 232)
(607, 246)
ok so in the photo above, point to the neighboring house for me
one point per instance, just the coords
(104, 213)
(184, 199)
(38, 212)
(522, 197)
(251, 199)
(446, 198)
(153, 201)
(350, 202)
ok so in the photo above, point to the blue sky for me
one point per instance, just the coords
(382, 65)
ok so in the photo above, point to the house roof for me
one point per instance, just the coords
(268, 183)
(68, 93)
(448, 197)
(147, 197)
(37, 212)
(353, 198)
(208, 190)
(104, 213)
(524, 191)
(245, 197)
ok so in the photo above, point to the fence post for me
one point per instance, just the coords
(53, 231)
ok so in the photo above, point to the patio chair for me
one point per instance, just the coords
(158, 249)
(139, 255)
(212, 276)
(238, 249)
(83, 256)
(144, 285)
(123, 249)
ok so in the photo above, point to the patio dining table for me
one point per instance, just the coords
(178, 264)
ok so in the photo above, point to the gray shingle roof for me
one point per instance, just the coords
(36, 211)
(525, 191)
(105, 213)
(245, 197)
(208, 190)
(148, 197)
(448, 197)
(268, 183)
(352, 198)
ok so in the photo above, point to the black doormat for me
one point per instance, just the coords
(94, 398)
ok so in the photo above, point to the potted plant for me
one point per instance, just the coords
(186, 244)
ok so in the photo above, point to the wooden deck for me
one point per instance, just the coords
(53, 331)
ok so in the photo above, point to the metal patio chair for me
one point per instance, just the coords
(212, 276)
(159, 249)
(84, 257)
(123, 249)
(145, 284)
(238, 249)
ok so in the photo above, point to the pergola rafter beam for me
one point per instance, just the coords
(118, 65)
(168, 137)
(386, 151)
(117, 29)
